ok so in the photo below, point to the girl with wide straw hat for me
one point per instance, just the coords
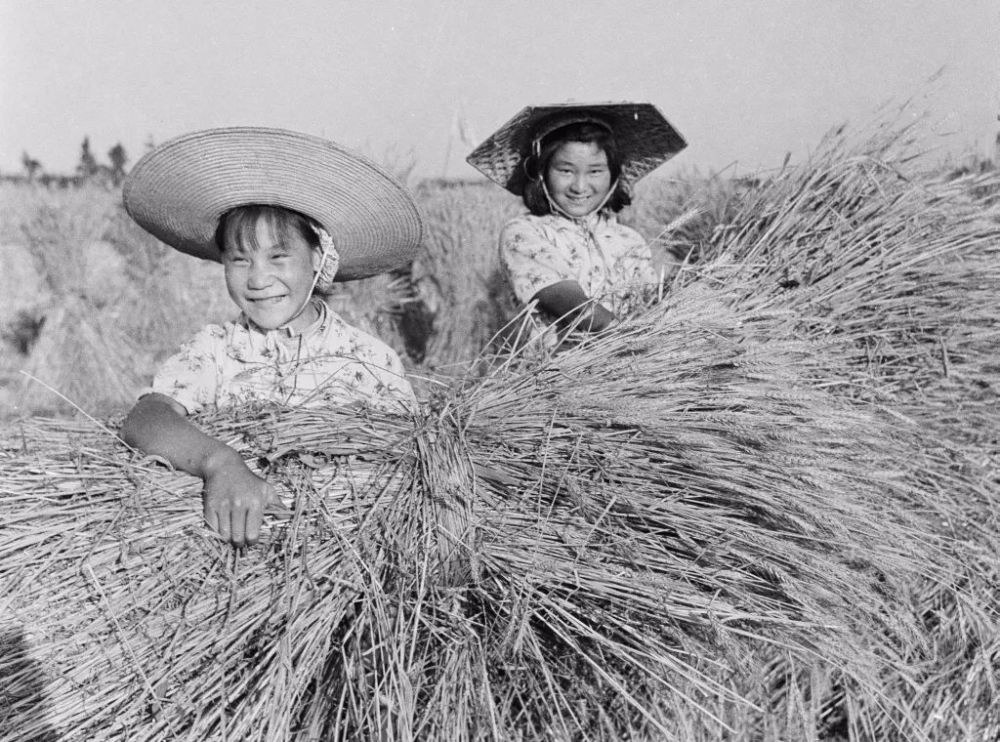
(287, 215)
(573, 165)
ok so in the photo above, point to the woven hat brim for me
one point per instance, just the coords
(645, 139)
(178, 191)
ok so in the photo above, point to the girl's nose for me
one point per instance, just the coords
(258, 277)
(579, 184)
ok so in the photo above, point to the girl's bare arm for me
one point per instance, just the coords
(568, 301)
(234, 498)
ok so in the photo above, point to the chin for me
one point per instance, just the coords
(576, 210)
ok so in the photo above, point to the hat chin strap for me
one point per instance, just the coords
(329, 253)
(559, 210)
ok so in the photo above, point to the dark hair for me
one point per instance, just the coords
(584, 132)
(241, 223)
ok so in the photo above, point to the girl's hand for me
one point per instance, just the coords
(235, 498)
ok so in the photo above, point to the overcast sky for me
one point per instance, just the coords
(744, 82)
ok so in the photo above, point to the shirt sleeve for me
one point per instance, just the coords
(191, 376)
(531, 260)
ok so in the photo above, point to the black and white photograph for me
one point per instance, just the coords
(467, 371)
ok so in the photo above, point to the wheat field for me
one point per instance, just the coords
(766, 509)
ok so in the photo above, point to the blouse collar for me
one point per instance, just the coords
(317, 326)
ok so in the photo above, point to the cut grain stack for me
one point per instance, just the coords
(897, 271)
(627, 542)
(169, 295)
(900, 266)
(457, 275)
(81, 349)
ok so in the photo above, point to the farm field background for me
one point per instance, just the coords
(91, 303)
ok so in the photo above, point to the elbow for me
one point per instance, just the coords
(131, 428)
(149, 414)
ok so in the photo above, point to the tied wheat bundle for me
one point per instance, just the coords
(950, 690)
(901, 266)
(78, 345)
(668, 533)
(901, 270)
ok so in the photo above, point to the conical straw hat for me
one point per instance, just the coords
(645, 139)
(178, 192)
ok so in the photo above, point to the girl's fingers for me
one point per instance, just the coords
(238, 517)
(255, 514)
(239, 522)
(253, 530)
(222, 519)
(211, 517)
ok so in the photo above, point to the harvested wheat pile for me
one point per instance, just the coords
(896, 272)
(860, 246)
(894, 268)
(668, 534)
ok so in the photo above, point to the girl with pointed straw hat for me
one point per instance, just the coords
(287, 215)
(573, 165)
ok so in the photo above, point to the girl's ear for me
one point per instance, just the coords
(530, 166)
(316, 255)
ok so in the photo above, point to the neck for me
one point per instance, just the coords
(308, 315)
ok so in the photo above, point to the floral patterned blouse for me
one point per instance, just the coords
(330, 363)
(611, 262)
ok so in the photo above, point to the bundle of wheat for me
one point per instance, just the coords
(656, 535)
(961, 505)
(900, 269)
(715, 199)
(901, 266)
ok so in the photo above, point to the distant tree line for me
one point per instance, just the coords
(88, 169)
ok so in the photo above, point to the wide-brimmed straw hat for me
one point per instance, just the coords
(179, 190)
(644, 136)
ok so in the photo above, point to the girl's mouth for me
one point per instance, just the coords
(268, 300)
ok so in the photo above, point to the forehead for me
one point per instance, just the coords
(584, 154)
(261, 232)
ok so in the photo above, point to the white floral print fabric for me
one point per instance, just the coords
(611, 262)
(330, 364)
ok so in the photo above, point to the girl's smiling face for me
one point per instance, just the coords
(270, 277)
(578, 177)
